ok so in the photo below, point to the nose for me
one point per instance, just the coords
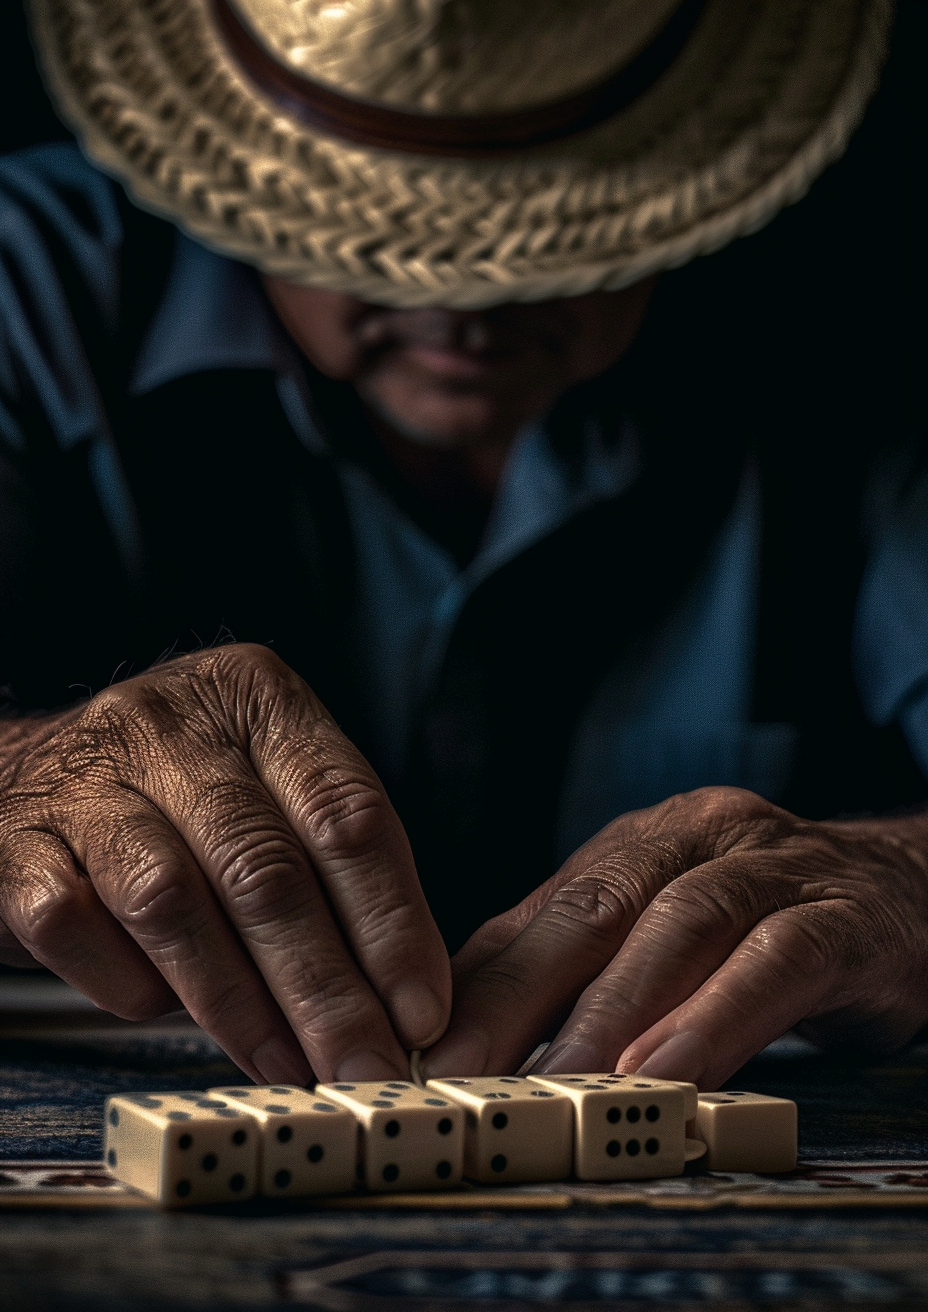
(463, 330)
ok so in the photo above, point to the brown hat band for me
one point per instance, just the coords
(472, 135)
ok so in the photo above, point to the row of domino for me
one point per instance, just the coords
(282, 1141)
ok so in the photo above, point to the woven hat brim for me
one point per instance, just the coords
(763, 98)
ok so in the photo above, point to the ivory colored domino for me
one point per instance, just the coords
(690, 1096)
(625, 1128)
(747, 1131)
(181, 1148)
(307, 1145)
(411, 1138)
(514, 1131)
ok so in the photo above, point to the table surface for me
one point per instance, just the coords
(849, 1227)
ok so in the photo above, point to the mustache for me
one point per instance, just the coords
(488, 332)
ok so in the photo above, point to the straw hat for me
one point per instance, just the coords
(463, 152)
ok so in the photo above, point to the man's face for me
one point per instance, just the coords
(451, 379)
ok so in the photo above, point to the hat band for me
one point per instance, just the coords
(473, 135)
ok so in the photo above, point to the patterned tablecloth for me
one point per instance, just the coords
(848, 1228)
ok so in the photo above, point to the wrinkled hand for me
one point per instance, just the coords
(682, 939)
(204, 835)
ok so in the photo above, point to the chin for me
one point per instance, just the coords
(440, 422)
(450, 438)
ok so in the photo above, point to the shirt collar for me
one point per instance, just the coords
(214, 315)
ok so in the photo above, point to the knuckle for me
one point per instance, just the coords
(505, 984)
(327, 1002)
(812, 939)
(346, 814)
(700, 902)
(724, 811)
(614, 890)
(231, 810)
(246, 666)
(119, 702)
(124, 713)
(592, 902)
(233, 1006)
(256, 864)
(92, 752)
(113, 736)
(248, 656)
(331, 1004)
(268, 894)
(142, 874)
(794, 939)
(381, 919)
(152, 896)
(45, 916)
(218, 661)
(190, 694)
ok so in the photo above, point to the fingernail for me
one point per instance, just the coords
(363, 1066)
(569, 1059)
(418, 1015)
(684, 1056)
(278, 1063)
(467, 1055)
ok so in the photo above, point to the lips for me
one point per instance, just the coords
(446, 362)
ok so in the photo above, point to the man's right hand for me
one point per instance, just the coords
(203, 835)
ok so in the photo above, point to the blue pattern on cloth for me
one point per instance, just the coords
(677, 718)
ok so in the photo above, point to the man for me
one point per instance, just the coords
(448, 491)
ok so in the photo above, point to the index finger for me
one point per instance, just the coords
(338, 808)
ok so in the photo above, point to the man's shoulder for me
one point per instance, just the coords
(56, 186)
(61, 239)
(67, 228)
(80, 267)
(72, 292)
(61, 161)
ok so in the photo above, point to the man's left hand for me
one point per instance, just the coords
(684, 938)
